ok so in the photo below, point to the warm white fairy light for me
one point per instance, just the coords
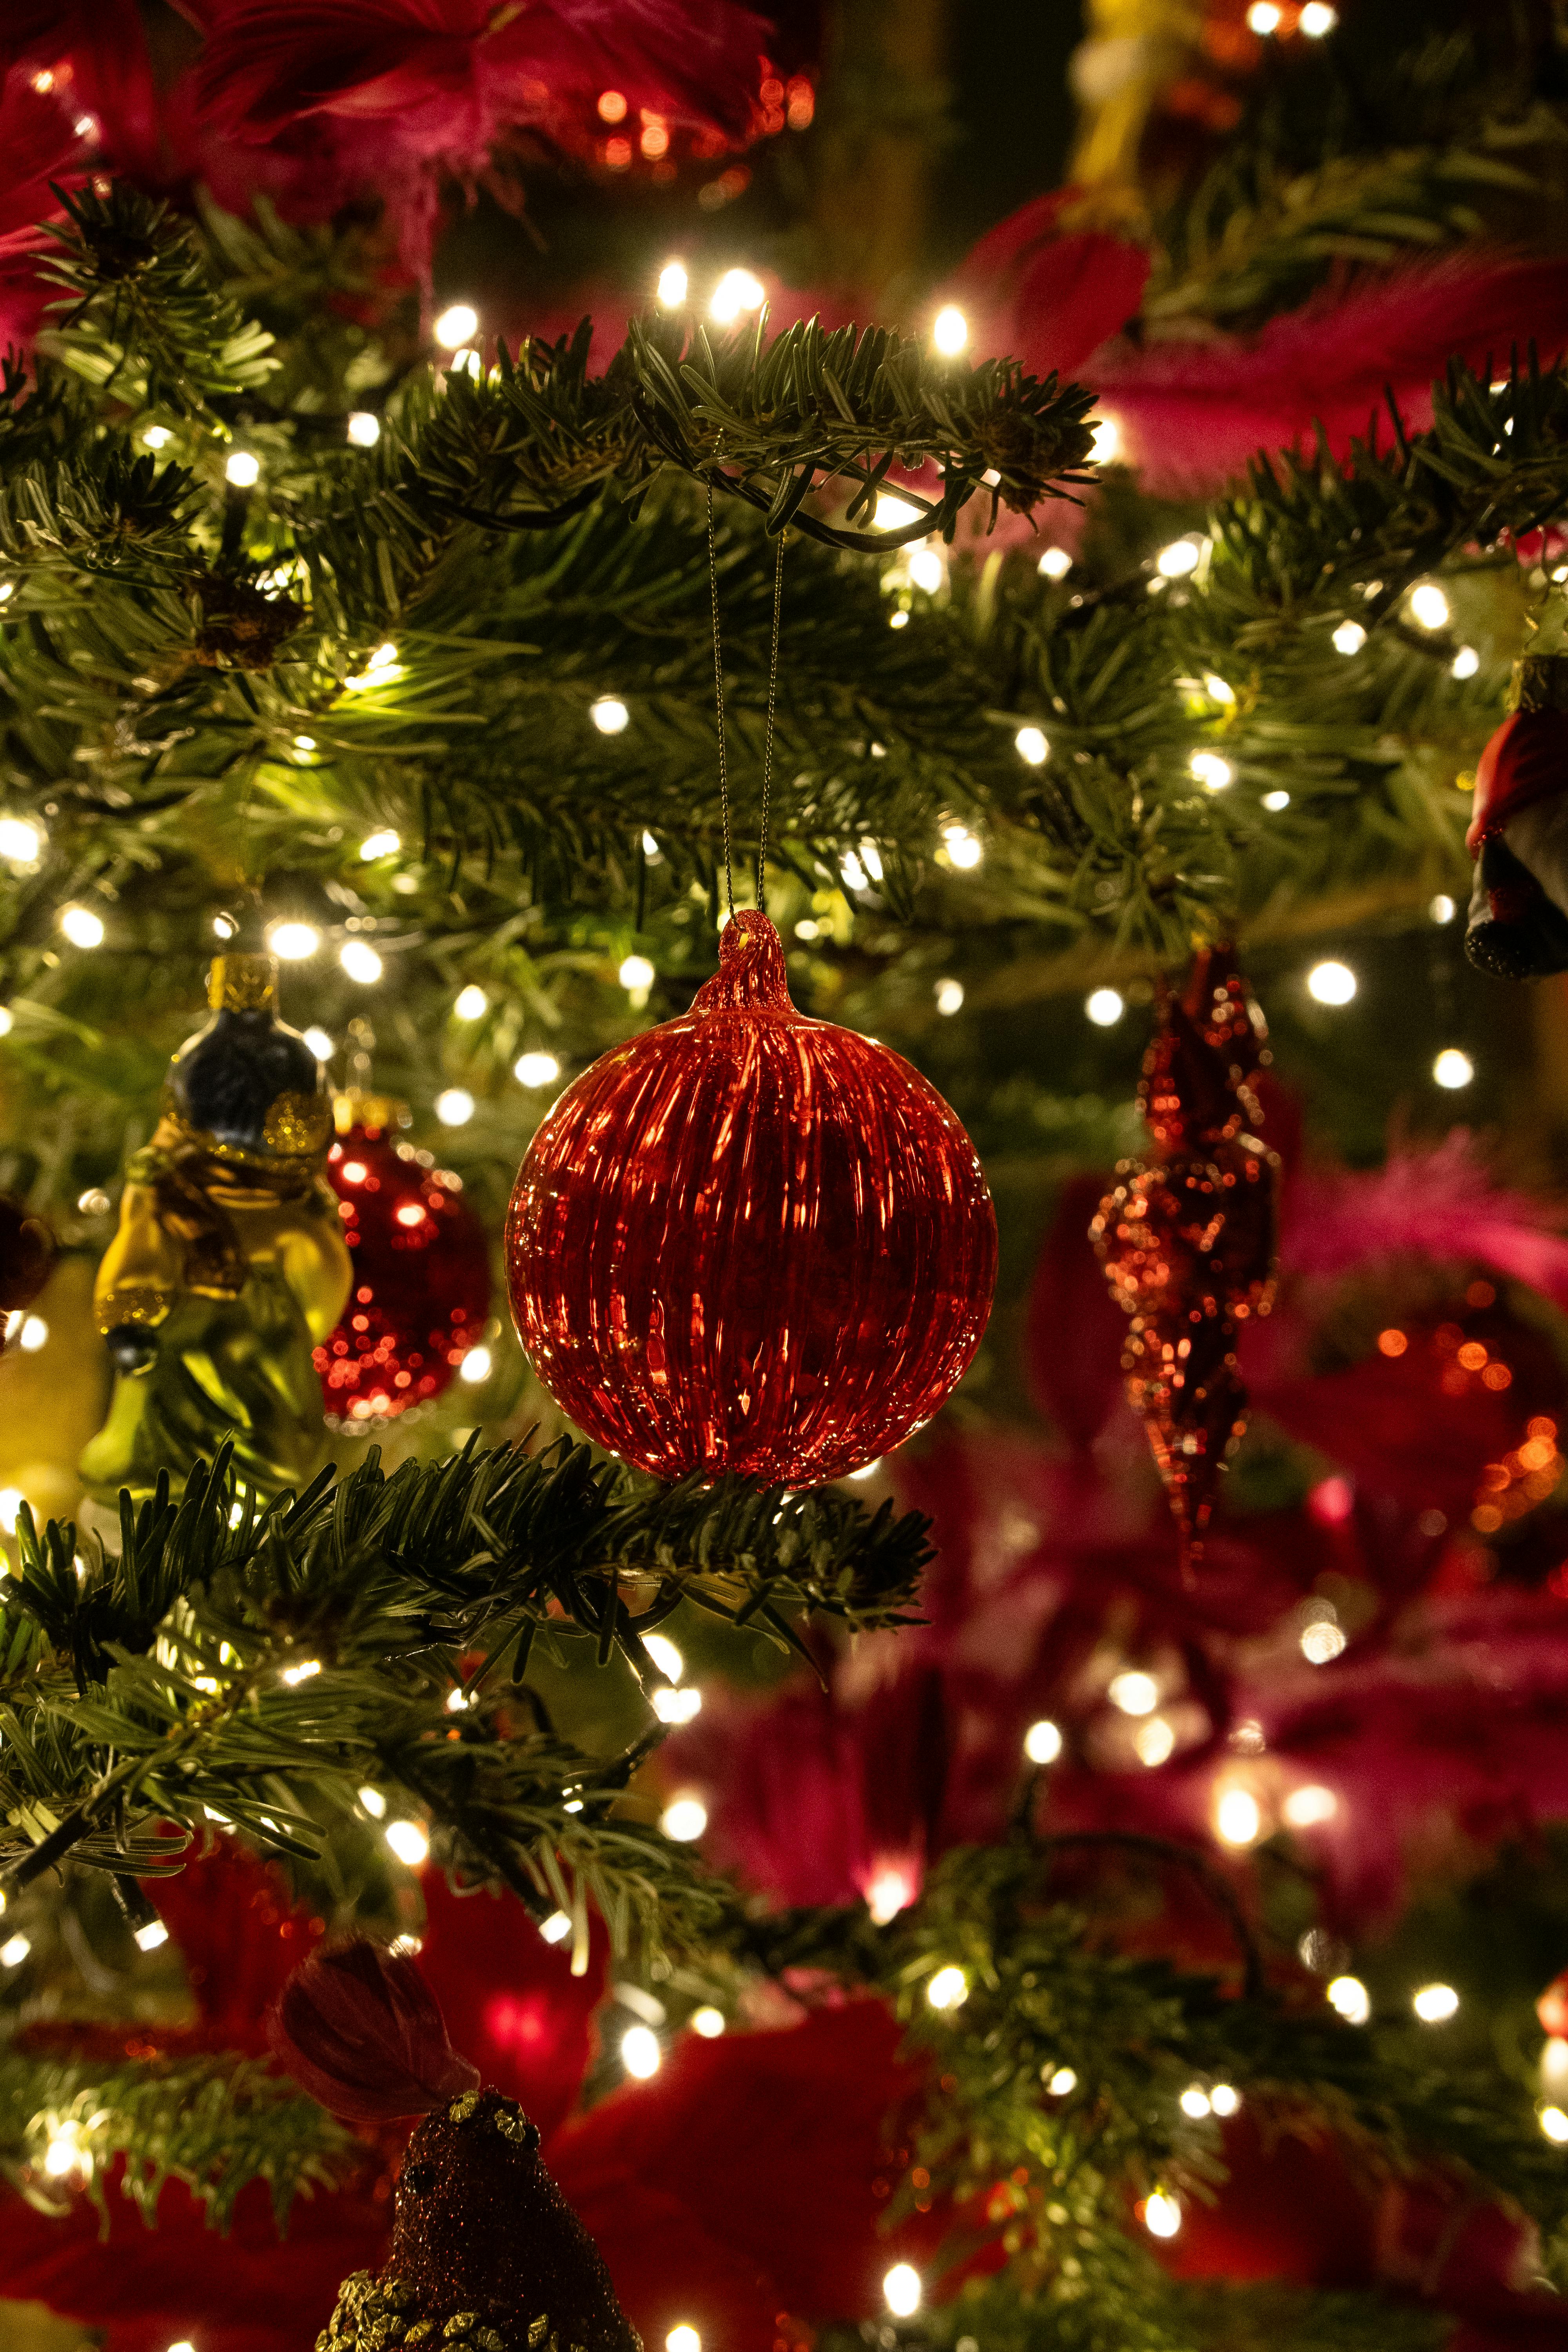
(360, 962)
(472, 1003)
(383, 669)
(556, 1928)
(898, 620)
(1349, 637)
(1442, 908)
(964, 849)
(1555, 2124)
(1264, 17)
(949, 997)
(640, 2052)
(684, 1820)
(682, 2338)
(1043, 1741)
(892, 1888)
(948, 1988)
(536, 1070)
(11, 1501)
(150, 1937)
(736, 292)
(1219, 690)
(1316, 19)
(1453, 1068)
(1161, 2214)
(675, 1705)
(156, 436)
(926, 571)
(1212, 771)
(635, 971)
(609, 714)
(1055, 564)
(1225, 2099)
(458, 323)
(1195, 2102)
(1434, 2003)
(14, 1950)
(364, 429)
(1105, 1007)
(901, 2290)
(1134, 1692)
(894, 513)
(293, 942)
(1106, 447)
(673, 285)
(1274, 801)
(67, 2155)
(1321, 1640)
(243, 469)
(950, 331)
(1031, 746)
(82, 927)
(408, 1843)
(21, 844)
(709, 2022)
(1239, 1818)
(1154, 1743)
(374, 1803)
(1303, 1809)
(665, 1656)
(33, 1334)
(476, 1366)
(1466, 663)
(1331, 984)
(306, 1671)
(386, 844)
(1176, 561)
(455, 1107)
(1350, 1998)
(1430, 606)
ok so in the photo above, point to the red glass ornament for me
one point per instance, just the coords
(750, 1242)
(422, 1271)
(1187, 1236)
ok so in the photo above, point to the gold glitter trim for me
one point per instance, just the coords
(298, 1124)
(1540, 683)
(243, 983)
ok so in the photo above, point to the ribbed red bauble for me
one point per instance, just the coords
(750, 1242)
(422, 1269)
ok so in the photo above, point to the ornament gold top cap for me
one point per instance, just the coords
(1540, 682)
(243, 983)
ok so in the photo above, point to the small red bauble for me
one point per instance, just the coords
(750, 1242)
(421, 1270)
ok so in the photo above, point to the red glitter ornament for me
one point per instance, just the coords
(421, 1270)
(750, 1242)
(1187, 1236)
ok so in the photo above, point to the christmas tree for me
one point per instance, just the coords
(785, 1340)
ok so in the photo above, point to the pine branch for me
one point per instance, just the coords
(259, 1665)
(212, 2124)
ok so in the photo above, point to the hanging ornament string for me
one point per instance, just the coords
(719, 705)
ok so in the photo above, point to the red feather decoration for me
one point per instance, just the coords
(359, 2029)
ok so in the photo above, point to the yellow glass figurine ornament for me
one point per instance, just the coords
(229, 1266)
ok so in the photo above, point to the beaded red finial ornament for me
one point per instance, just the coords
(1187, 1236)
(484, 2249)
(749, 1241)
